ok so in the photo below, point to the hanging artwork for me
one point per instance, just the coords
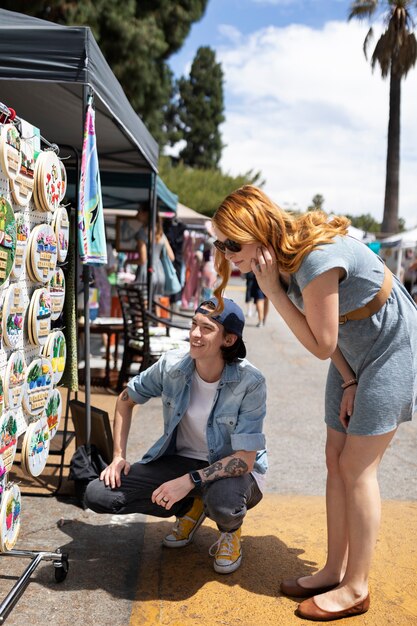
(8, 438)
(56, 350)
(48, 181)
(14, 380)
(2, 476)
(57, 291)
(35, 447)
(38, 385)
(12, 316)
(53, 411)
(22, 236)
(63, 188)
(10, 154)
(39, 317)
(22, 185)
(7, 239)
(10, 516)
(60, 224)
(42, 253)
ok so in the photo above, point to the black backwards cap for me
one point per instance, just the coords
(231, 318)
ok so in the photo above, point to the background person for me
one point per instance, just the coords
(210, 461)
(342, 303)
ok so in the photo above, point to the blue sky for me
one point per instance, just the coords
(302, 104)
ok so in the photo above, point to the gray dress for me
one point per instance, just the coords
(158, 274)
(381, 349)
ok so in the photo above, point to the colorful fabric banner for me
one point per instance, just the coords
(91, 233)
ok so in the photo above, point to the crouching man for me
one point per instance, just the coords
(210, 460)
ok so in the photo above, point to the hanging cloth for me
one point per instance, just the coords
(91, 233)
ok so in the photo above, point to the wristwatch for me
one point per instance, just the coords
(196, 479)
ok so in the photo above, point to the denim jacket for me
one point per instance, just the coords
(236, 418)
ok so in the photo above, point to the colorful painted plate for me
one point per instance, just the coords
(22, 185)
(57, 290)
(48, 181)
(35, 448)
(11, 504)
(10, 154)
(39, 321)
(14, 380)
(8, 438)
(42, 254)
(60, 224)
(38, 385)
(56, 350)
(7, 239)
(22, 236)
(2, 476)
(53, 411)
(12, 315)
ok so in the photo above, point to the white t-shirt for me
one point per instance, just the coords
(192, 429)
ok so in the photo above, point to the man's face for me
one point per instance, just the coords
(206, 337)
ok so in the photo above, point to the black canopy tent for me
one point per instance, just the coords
(46, 73)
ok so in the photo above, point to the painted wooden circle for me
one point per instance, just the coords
(56, 350)
(57, 290)
(53, 411)
(42, 254)
(63, 187)
(10, 154)
(14, 380)
(39, 321)
(7, 239)
(61, 227)
(22, 185)
(36, 447)
(2, 476)
(11, 504)
(22, 236)
(8, 438)
(38, 384)
(12, 316)
(48, 180)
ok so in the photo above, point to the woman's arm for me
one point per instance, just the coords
(143, 254)
(169, 250)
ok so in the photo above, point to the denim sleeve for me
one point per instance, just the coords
(248, 433)
(147, 384)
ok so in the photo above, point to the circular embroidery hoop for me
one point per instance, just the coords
(8, 438)
(11, 504)
(35, 448)
(22, 236)
(10, 154)
(38, 383)
(42, 255)
(39, 322)
(14, 380)
(61, 225)
(7, 239)
(57, 291)
(63, 188)
(2, 476)
(48, 181)
(53, 411)
(56, 350)
(12, 316)
(22, 185)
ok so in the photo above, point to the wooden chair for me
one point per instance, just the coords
(144, 343)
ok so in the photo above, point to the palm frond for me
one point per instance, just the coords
(367, 41)
(362, 9)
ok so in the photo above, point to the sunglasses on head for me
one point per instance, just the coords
(230, 245)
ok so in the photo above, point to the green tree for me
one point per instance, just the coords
(136, 37)
(200, 111)
(395, 53)
(203, 189)
(317, 203)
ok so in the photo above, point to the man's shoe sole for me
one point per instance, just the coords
(227, 569)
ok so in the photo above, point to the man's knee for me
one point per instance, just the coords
(224, 507)
(101, 499)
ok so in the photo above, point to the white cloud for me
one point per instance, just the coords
(303, 106)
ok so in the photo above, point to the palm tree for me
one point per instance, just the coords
(396, 53)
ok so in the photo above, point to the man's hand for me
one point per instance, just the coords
(111, 475)
(167, 494)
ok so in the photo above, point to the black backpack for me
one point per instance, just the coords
(86, 465)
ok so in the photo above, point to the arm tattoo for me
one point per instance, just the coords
(125, 396)
(212, 469)
(236, 467)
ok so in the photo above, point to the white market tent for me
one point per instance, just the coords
(399, 250)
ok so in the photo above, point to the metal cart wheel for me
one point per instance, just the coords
(61, 569)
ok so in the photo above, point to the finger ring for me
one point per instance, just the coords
(165, 500)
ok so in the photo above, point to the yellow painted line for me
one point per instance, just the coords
(284, 536)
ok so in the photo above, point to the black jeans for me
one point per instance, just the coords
(226, 501)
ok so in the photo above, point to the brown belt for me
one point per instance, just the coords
(375, 304)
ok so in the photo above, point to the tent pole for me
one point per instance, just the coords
(151, 248)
